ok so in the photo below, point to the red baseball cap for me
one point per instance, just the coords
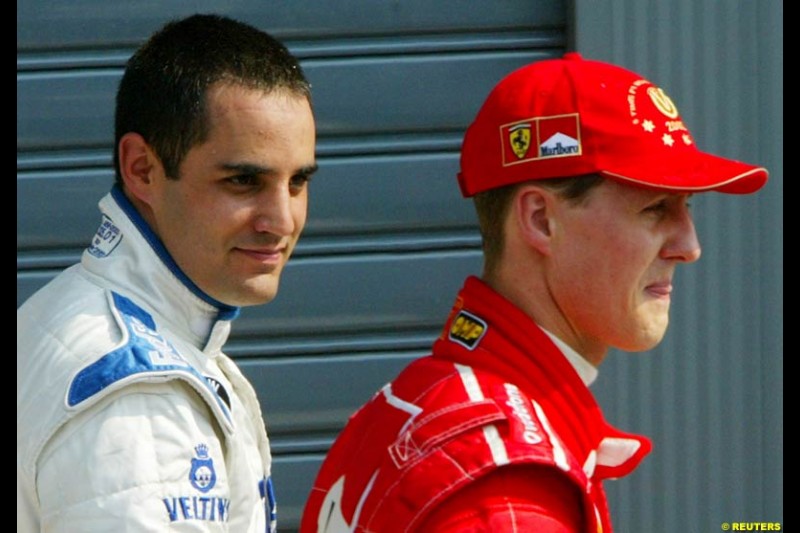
(570, 116)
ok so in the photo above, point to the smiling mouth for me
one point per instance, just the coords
(269, 256)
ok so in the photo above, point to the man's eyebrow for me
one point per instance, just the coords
(244, 168)
(253, 169)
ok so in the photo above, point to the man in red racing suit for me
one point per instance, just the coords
(581, 173)
(494, 404)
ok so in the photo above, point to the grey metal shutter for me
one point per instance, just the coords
(711, 395)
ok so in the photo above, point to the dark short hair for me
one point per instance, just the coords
(162, 94)
(492, 207)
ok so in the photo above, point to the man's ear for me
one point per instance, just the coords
(534, 210)
(138, 164)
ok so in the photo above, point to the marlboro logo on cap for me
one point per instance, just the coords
(569, 117)
(540, 137)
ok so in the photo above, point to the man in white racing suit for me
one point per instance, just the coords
(129, 415)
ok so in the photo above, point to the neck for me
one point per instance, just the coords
(528, 291)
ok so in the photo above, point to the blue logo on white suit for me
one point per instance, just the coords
(203, 477)
(106, 238)
(202, 474)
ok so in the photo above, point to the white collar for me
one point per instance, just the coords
(127, 254)
(586, 370)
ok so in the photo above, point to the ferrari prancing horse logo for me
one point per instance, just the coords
(519, 137)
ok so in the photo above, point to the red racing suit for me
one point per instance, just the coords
(496, 398)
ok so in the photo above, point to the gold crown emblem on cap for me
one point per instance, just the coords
(671, 131)
(662, 102)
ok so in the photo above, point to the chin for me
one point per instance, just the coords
(257, 299)
(649, 341)
(256, 291)
(643, 340)
(248, 296)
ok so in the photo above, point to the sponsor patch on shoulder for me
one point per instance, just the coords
(467, 329)
(143, 355)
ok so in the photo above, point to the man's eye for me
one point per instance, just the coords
(300, 181)
(657, 207)
(244, 179)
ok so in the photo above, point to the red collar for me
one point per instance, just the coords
(487, 332)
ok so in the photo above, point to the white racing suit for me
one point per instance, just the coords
(129, 416)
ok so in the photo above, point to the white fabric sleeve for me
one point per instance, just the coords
(148, 458)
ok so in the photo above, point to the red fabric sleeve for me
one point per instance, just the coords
(520, 498)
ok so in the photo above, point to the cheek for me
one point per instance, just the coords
(173, 218)
(620, 269)
(587, 251)
(203, 228)
(612, 247)
(598, 261)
